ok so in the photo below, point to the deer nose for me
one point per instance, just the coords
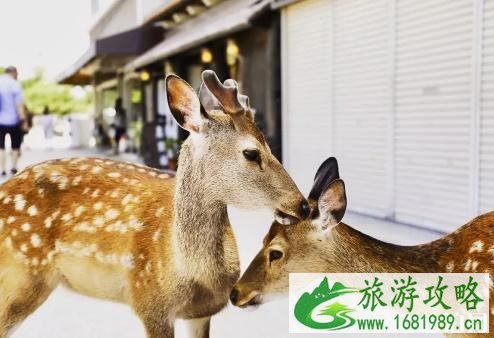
(304, 209)
(234, 296)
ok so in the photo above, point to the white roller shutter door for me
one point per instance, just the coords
(306, 79)
(336, 95)
(361, 102)
(402, 93)
(433, 111)
(487, 111)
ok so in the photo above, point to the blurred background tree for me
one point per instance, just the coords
(40, 93)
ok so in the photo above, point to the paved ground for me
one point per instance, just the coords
(66, 314)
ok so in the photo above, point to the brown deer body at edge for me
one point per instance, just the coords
(323, 244)
(131, 234)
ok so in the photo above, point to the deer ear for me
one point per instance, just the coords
(327, 173)
(332, 205)
(184, 103)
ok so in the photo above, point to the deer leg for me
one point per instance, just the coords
(159, 328)
(199, 327)
(156, 323)
(21, 292)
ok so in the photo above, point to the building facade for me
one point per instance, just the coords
(401, 92)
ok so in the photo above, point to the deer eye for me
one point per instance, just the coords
(275, 255)
(252, 155)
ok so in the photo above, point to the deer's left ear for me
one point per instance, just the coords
(327, 173)
(331, 205)
(184, 103)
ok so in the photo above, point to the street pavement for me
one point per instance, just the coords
(67, 314)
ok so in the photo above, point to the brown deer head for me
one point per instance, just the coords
(295, 248)
(227, 152)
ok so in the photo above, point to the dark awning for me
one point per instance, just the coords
(125, 44)
(221, 20)
(134, 41)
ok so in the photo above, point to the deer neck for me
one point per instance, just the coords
(353, 251)
(200, 221)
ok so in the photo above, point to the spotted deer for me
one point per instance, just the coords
(129, 233)
(322, 243)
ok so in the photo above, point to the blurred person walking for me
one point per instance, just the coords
(46, 122)
(120, 123)
(12, 116)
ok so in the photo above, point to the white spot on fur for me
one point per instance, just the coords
(98, 206)
(67, 217)
(85, 227)
(96, 170)
(10, 219)
(99, 221)
(76, 180)
(149, 267)
(127, 198)
(114, 194)
(85, 191)
(7, 200)
(111, 214)
(95, 193)
(79, 210)
(477, 246)
(41, 192)
(127, 260)
(118, 226)
(32, 210)
(157, 236)
(163, 176)
(475, 264)
(14, 232)
(23, 247)
(35, 241)
(159, 212)
(135, 224)
(114, 175)
(8, 242)
(2, 195)
(468, 265)
(58, 178)
(55, 214)
(20, 202)
(450, 266)
(26, 227)
(48, 222)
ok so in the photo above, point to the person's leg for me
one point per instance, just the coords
(16, 136)
(2, 150)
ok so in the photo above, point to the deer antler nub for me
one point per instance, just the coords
(227, 93)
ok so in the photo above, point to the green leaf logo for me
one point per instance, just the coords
(307, 303)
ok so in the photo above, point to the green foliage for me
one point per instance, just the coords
(59, 99)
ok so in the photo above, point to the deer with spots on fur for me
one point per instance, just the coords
(323, 244)
(129, 233)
